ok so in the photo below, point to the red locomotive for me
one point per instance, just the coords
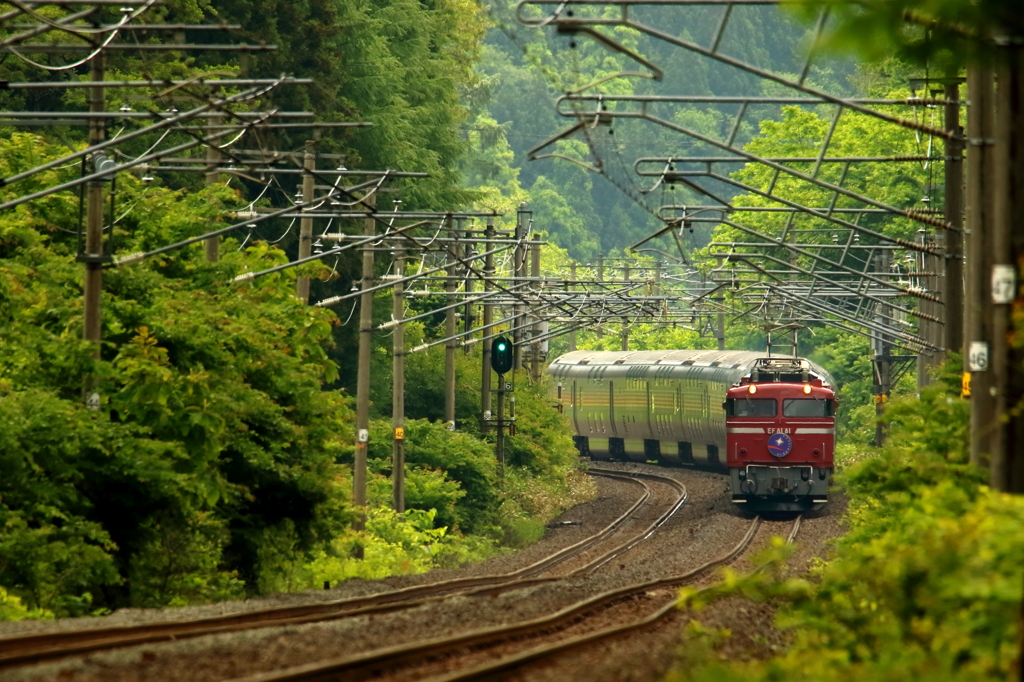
(780, 436)
(775, 436)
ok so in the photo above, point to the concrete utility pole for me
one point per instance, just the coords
(499, 445)
(306, 224)
(535, 286)
(572, 334)
(519, 260)
(449, 331)
(363, 377)
(213, 157)
(93, 257)
(882, 360)
(398, 385)
(981, 183)
(485, 377)
(625, 321)
(925, 264)
(467, 311)
(953, 283)
(600, 278)
(720, 321)
(1007, 468)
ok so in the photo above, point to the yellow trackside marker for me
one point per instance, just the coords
(399, 433)
(965, 385)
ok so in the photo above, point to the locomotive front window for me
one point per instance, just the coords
(750, 407)
(806, 407)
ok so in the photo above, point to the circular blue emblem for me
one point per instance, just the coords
(779, 444)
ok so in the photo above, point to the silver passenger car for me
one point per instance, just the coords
(643, 405)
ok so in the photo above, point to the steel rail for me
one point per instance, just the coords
(27, 649)
(486, 670)
(647, 532)
(409, 654)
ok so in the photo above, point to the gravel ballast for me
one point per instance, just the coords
(705, 527)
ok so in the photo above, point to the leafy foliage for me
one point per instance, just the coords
(927, 582)
(218, 464)
(213, 425)
(943, 33)
(395, 63)
(450, 471)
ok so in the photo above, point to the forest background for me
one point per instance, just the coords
(220, 462)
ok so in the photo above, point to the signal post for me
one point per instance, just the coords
(502, 360)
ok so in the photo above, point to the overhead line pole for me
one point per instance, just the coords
(536, 332)
(1007, 469)
(306, 223)
(449, 328)
(485, 378)
(213, 156)
(625, 321)
(953, 296)
(978, 309)
(882, 361)
(467, 312)
(519, 272)
(572, 334)
(398, 386)
(93, 255)
(363, 381)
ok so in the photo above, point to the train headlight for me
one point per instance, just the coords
(753, 388)
(807, 389)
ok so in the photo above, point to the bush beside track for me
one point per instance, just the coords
(219, 464)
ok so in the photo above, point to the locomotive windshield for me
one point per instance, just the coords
(750, 407)
(806, 407)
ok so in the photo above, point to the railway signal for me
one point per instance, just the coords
(502, 356)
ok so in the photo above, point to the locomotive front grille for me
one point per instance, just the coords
(770, 481)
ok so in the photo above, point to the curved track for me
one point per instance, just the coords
(679, 498)
(396, 660)
(28, 649)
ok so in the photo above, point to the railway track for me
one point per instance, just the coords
(645, 532)
(28, 649)
(408, 659)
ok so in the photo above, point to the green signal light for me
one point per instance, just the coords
(501, 358)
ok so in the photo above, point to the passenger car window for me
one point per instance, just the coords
(751, 407)
(806, 407)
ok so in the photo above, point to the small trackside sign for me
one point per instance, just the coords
(1004, 284)
(977, 357)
